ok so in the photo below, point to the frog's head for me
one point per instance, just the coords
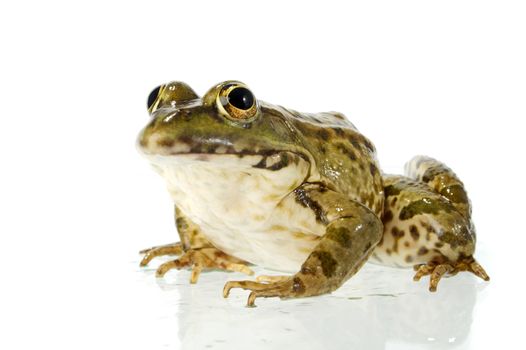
(227, 120)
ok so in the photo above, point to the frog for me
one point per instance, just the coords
(300, 193)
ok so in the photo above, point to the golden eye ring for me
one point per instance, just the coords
(237, 102)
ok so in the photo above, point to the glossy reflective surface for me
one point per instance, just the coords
(380, 308)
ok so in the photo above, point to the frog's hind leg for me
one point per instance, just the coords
(442, 180)
(195, 251)
(427, 223)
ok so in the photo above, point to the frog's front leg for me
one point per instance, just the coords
(351, 233)
(195, 251)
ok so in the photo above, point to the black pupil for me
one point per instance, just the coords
(153, 96)
(241, 98)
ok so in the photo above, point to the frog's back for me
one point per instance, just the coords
(345, 159)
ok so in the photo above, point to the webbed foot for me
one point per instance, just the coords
(274, 286)
(197, 259)
(438, 270)
(168, 249)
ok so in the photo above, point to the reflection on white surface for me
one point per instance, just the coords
(380, 308)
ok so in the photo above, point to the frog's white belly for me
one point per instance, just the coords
(245, 211)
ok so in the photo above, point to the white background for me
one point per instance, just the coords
(444, 78)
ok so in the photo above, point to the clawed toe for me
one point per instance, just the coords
(437, 271)
(282, 287)
(169, 249)
(197, 259)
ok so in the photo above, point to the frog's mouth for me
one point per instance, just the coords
(161, 150)
(263, 160)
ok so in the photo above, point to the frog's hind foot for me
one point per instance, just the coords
(274, 286)
(438, 270)
(204, 258)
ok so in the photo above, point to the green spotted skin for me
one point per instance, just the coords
(426, 217)
(297, 192)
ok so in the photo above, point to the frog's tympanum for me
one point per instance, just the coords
(255, 183)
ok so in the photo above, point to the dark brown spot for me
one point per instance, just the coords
(388, 251)
(406, 244)
(368, 144)
(432, 172)
(166, 142)
(397, 233)
(423, 251)
(355, 142)
(283, 162)
(186, 139)
(414, 232)
(388, 216)
(455, 193)
(392, 190)
(439, 244)
(304, 199)
(339, 132)
(262, 164)
(346, 150)
(181, 224)
(341, 235)
(328, 264)
(408, 259)
(298, 286)
(323, 134)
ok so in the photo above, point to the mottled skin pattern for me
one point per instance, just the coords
(258, 183)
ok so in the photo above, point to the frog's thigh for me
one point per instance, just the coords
(190, 233)
(441, 179)
(352, 231)
(425, 230)
(420, 226)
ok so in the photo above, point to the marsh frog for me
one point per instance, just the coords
(301, 193)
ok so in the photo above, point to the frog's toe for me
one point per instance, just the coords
(437, 271)
(184, 261)
(283, 287)
(270, 279)
(471, 265)
(205, 258)
(168, 249)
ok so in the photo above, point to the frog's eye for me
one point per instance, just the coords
(153, 96)
(237, 102)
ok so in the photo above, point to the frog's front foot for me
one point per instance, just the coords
(267, 286)
(197, 259)
(168, 249)
(437, 270)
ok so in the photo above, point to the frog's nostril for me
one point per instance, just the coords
(153, 96)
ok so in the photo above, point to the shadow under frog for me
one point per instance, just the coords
(376, 309)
